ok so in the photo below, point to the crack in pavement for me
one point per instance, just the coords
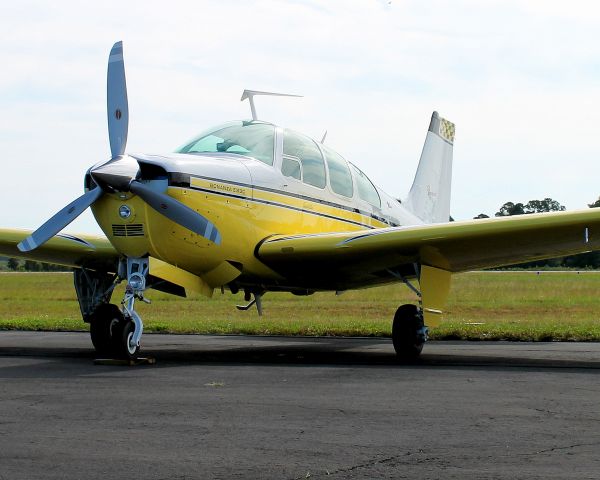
(567, 447)
(371, 463)
(402, 460)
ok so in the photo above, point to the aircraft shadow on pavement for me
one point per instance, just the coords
(336, 357)
(322, 352)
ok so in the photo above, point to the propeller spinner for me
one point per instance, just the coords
(121, 173)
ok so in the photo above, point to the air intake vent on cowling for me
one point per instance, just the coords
(132, 230)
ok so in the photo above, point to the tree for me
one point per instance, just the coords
(510, 208)
(596, 204)
(13, 264)
(51, 267)
(481, 215)
(583, 260)
(545, 205)
(532, 206)
(32, 266)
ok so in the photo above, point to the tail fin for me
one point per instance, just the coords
(429, 196)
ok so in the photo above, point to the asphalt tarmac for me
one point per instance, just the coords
(295, 408)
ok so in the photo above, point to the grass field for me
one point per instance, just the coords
(482, 305)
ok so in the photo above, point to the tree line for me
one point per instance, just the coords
(17, 265)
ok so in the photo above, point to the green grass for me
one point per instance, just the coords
(482, 306)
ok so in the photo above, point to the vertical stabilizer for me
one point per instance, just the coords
(429, 196)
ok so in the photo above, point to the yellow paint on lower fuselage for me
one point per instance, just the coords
(243, 215)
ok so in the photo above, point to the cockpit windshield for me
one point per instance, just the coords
(251, 139)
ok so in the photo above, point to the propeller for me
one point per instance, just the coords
(121, 173)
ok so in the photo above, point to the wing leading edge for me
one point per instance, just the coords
(87, 251)
(368, 257)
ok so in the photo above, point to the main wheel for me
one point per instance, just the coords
(122, 341)
(103, 327)
(407, 332)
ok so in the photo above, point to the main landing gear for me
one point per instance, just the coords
(117, 332)
(409, 332)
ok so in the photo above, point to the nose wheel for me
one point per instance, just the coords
(126, 346)
(112, 333)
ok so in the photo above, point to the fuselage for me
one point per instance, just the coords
(249, 197)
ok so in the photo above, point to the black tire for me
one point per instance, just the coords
(405, 332)
(104, 323)
(121, 341)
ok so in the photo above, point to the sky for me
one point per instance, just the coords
(521, 80)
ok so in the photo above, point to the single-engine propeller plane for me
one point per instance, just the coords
(250, 206)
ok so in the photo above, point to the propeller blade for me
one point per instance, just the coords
(116, 100)
(59, 221)
(177, 212)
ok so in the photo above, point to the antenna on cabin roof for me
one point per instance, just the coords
(324, 137)
(249, 94)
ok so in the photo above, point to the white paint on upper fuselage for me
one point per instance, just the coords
(240, 169)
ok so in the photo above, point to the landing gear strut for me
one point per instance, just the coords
(130, 332)
(409, 333)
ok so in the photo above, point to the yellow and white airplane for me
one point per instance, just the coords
(254, 207)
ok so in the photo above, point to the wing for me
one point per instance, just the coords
(88, 251)
(368, 257)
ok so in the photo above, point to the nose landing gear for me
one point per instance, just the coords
(129, 331)
(117, 331)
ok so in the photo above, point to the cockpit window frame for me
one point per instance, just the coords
(356, 173)
(308, 141)
(328, 153)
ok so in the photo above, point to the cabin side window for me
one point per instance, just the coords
(340, 178)
(302, 159)
(291, 167)
(366, 190)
